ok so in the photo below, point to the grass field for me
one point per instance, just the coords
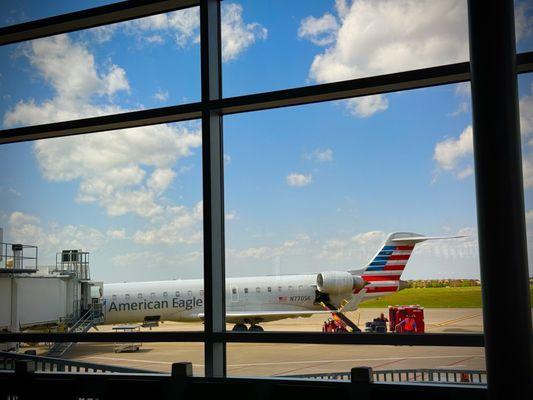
(461, 297)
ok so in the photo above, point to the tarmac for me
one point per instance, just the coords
(297, 359)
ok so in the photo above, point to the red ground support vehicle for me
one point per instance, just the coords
(403, 319)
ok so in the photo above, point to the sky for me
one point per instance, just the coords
(307, 189)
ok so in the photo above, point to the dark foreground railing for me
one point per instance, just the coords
(50, 364)
(410, 375)
(23, 383)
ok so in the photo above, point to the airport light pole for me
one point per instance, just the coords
(500, 200)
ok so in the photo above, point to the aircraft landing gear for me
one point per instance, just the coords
(239, 328)
(244, 328)
(256, 328)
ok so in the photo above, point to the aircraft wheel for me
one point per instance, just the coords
(239, 328)
(256, 328)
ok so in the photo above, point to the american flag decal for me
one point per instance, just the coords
(385, 269)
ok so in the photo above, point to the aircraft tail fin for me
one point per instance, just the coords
(383, 272)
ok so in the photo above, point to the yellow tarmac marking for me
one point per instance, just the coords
(300, 362)
(453, 321)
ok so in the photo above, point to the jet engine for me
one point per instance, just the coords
(336, 282)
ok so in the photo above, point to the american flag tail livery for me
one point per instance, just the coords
(383, 272)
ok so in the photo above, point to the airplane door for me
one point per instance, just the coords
(234, 294)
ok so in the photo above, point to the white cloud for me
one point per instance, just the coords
(296, 179)
(116, 80)
(11, 191)
(231, 215)
(51, 237)
(455, 154)
(523, 19)
(450, 152)
(527, 170)
(526, 117)
(319, 155)
(367, 106)
(236, 35)
(382, 36)
(111, 167)
(183, 27)
(160, 179)
(355, 250)
(463, 89)
(116, 233)
(267, 252)
(151, 259)
(321, 31)
(103, 33)
(161, 95)
(177, 224)
(526, 128)
(461, 109)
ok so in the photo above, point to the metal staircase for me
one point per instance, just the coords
(92, 317)
(339, 316)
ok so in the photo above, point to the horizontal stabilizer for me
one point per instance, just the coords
(418, 239)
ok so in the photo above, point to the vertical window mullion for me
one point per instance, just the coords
(500, 199)
(213, 189)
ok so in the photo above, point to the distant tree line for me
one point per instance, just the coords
(435, 283)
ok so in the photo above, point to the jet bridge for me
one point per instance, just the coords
(33, 297)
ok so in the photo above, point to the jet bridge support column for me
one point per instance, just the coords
(500, 200)
(14, 325)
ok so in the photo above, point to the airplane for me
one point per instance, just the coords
(251, 301)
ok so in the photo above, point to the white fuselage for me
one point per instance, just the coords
(183, 300)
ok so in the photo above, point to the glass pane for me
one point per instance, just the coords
(139, 64)
(300, 43)
(116, 218)
(312, 360)
(132, 357)
(524, 25)
(525, 87)
(19, 11)
(313, 194)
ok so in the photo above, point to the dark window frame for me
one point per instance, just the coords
(211, 110)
